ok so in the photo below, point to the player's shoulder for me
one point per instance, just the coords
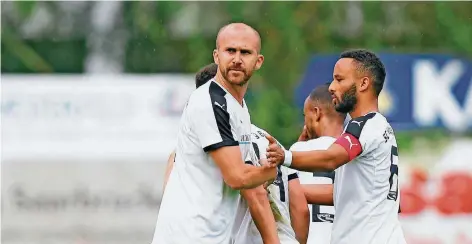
(205, 90)
(319, 143)
(207, 95)
(370, 123)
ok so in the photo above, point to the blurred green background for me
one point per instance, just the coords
(178, 37)
(85, 164)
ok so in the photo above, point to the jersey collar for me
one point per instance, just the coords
(224, 89)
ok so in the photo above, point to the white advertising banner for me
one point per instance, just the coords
(91, 116)
(436, 202)
(80, 202)
(83, 157)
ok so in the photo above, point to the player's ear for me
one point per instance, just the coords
(215, 56)
(260, 60)
(316, 114)
(365, 83)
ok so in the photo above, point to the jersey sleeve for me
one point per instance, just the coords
(211, 123)
(361, 136)
(297, 146)
(314, 144)
(292, 174)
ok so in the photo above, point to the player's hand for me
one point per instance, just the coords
(304, 135)
(275, 153)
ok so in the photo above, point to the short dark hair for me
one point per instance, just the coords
(205, 74)
(321, 95)
(368, 61)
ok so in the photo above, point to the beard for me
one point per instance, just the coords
(240, 81)
(348, 101)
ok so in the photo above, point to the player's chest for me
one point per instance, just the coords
(241, 126)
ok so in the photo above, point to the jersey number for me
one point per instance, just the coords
(316, 214)
(393, 180)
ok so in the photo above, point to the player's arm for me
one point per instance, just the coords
(211, 123)
(321, 194)
(299, 212)
(238, 175)
(261, 213)
(347, 147)
(170, 165)
(316, 160)
(342, 151)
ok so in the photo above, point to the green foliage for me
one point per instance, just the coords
(291, 32)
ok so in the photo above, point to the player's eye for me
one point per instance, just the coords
(231, 50)
(245, 52)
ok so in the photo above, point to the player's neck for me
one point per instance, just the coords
(363, 108)
(236, 91)
(331, 129)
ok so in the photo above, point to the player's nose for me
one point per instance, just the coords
(331, 87)
(237, 58)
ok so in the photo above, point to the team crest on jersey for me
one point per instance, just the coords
(387, 133)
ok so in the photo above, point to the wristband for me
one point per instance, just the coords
(287, 159)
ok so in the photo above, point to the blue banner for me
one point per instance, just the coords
(420, 91)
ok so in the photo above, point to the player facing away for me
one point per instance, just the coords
(364, 157)
(287, 202)
(323, 124)
(255, 201)
(200, 200)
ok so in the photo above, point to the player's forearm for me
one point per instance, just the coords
(299, 212)
(255, 176)
(321, 194)
(300, 220)
(170, 165)
(317, 160)
(261, 213)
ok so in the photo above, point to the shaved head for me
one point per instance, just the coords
(320, 114)
(237, 53)
(321, 97)
(238, 29)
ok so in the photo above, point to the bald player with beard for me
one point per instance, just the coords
(201, 198)
(255, 202)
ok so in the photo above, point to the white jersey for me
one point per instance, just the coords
(366, 194)
(248, 233)
(197, 206)
(321, 216)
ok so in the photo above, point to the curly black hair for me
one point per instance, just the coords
(368, 62)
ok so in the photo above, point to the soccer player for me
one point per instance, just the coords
(201, 196)
(256, 203)
(201, 77)
(323, 124)
(365, 156)
(287, 201)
